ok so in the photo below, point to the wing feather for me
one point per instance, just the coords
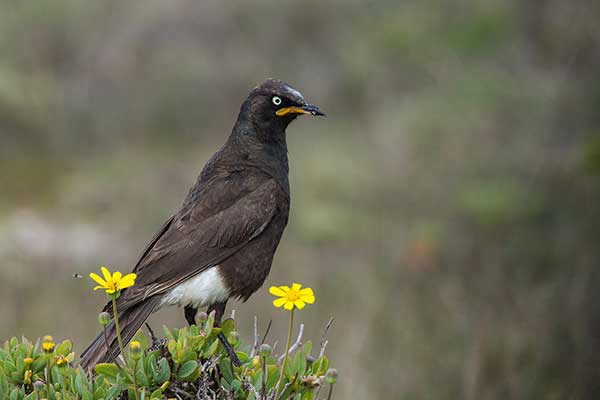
(196, 239)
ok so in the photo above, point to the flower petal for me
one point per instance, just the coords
(279, 302)
(299, 304)
(276, 291)
(288, 305)
(307, 299)
(117, 276)
(99, 287)
(296, 286)
(97, 279)
(306, 291)
(127, 281)
(106, 273)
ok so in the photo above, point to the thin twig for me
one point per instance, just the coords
(256, 338)
(251, 387)
(323, 345)
(327, 327)
(264, 379)
(324, 341)
(267, 332)
(296, 344)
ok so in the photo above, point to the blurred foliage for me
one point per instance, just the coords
(454, 185)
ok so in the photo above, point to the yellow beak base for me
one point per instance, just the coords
(290, 110)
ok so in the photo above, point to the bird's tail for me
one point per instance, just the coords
(130, 320)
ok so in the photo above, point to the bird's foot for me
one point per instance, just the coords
(230, 351)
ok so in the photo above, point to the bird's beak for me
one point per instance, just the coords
(306, 109)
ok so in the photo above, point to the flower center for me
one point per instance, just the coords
(293, 295)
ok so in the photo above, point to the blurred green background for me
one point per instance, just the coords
(447, 212)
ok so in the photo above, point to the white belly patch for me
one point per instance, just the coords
(202, 290)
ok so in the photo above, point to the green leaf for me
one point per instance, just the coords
(168, 333)
(320, 366)
(164, 372)
(212, 349)
(209, 324)
(300, 363)
(272, 376)
(188, 370)
(108, 370)
(64, 348)
(227, 326)
(225, 367)
(307, 348)
(81, 382)
(236, 385)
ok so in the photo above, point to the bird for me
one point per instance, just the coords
(220, 243)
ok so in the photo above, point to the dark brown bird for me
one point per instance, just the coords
(221, 242)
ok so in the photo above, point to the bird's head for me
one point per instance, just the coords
(274, 104)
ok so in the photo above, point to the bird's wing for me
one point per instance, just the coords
(196, 238)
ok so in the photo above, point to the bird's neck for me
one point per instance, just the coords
(255, 150)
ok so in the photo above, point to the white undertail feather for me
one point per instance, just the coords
(204, 289)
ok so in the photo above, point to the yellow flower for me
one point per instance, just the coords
(135, 345)
(48, 344)
(60, 359)
(28, 360)
(113, 283)
(292, 297)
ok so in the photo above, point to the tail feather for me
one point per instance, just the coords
(130, 320)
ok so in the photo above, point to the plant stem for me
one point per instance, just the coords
(110, 353)
(263, 392)
(330, 392)
(134, 372)
(116, 317)
(48, 376)
(287, 349)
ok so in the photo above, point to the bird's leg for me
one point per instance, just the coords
(219, 310)
(190, 314)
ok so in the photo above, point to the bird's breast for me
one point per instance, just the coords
(204, 289)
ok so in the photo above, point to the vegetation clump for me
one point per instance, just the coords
(188, 363)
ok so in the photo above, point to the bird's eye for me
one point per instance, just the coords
(276, 100)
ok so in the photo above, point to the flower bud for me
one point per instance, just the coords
(331, 376)
(233, 338)
(38, 385)
(104, 318)
(135, 349)
(48, 344)
(265, 350)
(27, 377)
(256, 361)
(28, 360)
(201, 317)
(310, 360)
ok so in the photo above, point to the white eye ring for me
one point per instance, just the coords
(276, 100)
